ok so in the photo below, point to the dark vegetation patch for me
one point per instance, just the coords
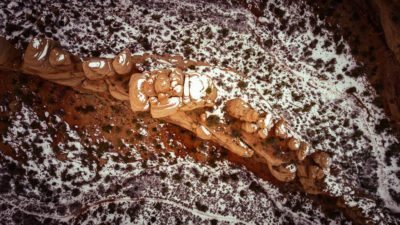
(201, 207)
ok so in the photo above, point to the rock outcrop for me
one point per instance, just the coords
(180, 97)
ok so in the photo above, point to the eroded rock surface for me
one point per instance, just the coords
(319, 90)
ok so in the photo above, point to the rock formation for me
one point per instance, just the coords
(179, 97)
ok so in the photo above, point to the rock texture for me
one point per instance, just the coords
(389, 16)
(318, 77)
(171, 94)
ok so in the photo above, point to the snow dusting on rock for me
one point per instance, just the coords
(289, 65)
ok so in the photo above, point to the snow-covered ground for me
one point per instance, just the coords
(298, 73)
(77, 190)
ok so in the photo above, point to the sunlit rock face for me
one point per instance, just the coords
(165, 92)
(122, 64)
